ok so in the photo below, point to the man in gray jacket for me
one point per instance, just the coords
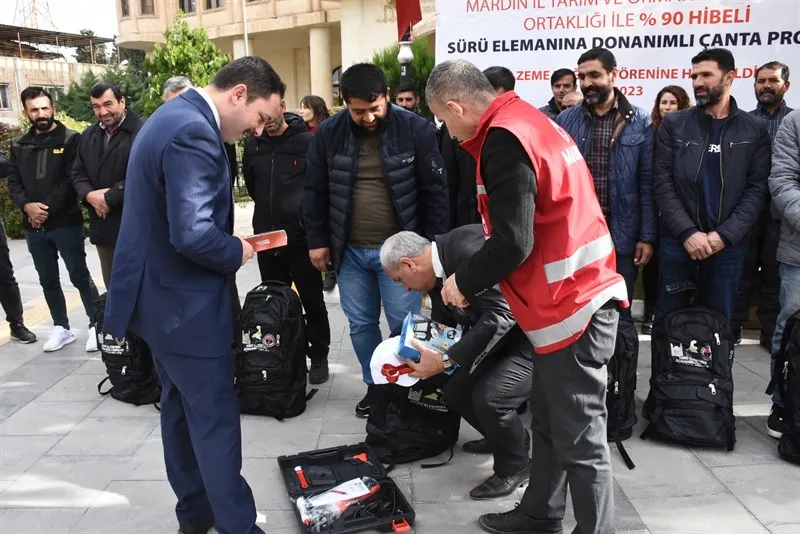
(784, 184)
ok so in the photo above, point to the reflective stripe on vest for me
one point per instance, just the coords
(588, 253)
(573, 326)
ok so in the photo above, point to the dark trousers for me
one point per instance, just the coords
(202, 437)
(45, 246)
(629, 271)
(236, 308)
(569, 419)
(650, 284)
(715, 280)
(292, 265)
(106, 255)
(9, 289)
(488, 399)
(760, 284)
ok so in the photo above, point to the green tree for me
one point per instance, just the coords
(421, 66)
(188, 52)
(75, 101)
(135, 58)
(83, 54)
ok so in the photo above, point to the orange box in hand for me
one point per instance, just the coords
(267, 240)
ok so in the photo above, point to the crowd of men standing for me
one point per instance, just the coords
(681, 193)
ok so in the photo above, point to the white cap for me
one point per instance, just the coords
(385, 353)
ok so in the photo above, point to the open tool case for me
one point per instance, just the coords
(388, 511)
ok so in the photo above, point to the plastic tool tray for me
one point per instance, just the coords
(387, 511)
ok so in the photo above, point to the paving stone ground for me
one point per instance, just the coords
(73, 462)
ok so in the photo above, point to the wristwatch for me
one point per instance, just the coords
(448, 363)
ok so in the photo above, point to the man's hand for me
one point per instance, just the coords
(716, 242)
(698, 246)
(321, 258)
(247, 250)
(430, 362)
(643, 253)
(97, 200)
(451, 296)
(37, 213)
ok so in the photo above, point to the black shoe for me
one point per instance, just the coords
(20, 333)
(201, 527)
(478, 446)
(363, 406)
(318, 374)
(514, 522)
(647, 324)
(329, 282)
(775, 422)
(495, 486)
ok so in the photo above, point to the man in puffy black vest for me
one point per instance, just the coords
(373, 169)
(494, 356)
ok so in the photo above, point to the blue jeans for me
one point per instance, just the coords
(45, 247)
(790, 304)
(363, 284)
(715, 279)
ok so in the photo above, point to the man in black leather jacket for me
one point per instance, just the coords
(710, 181)
(495, 359)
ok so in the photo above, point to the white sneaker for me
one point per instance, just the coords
(60, 337)
(91, 341)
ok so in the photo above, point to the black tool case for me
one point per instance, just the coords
(388, 511)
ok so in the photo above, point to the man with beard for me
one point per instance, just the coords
(562, 82)
(372, 172)
(274, 167)
(407, 97)
(100, 167)
(710, 180)
(41, 161)
(761, 281)
(616, 139)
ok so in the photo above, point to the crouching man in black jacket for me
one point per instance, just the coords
(274, 170)
(494, 358)
(710, 184)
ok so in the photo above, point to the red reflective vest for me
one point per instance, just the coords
(571, 272)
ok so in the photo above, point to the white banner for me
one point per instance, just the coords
(653, 40)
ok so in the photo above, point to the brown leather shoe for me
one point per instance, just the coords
(201, 527)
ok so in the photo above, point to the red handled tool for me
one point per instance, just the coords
(302, 477)
(393, 372)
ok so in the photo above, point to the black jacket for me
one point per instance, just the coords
(460, 168)
(99, 167)
(274, 170)
(40, 168)
(413, 172)
(5, 166)
(744, 164)
(490, 330)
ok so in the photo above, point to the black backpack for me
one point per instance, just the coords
(620, 400)
(786, 377)
(407, 424)
(691, 386)
(271, 353)
(129, 365)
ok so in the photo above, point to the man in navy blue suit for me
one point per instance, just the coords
(174, 252)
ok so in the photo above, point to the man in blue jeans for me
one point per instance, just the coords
(371, 171)
(710, 182)
(39, 183)
(784, 184)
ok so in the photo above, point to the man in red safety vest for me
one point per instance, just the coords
(563, 289)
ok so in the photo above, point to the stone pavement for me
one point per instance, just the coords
(74, 462)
